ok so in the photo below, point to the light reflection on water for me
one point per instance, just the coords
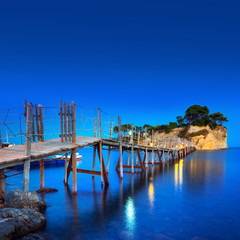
(161, 203)
(130, 214)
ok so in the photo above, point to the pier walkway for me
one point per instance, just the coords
(33, 130)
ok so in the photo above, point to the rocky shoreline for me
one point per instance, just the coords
(22, 216)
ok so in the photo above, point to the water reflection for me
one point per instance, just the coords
(130, 214)
(151, 194)
(178, 174)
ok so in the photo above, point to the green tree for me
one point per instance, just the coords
(218, 118)
(180, 120)
(195, 112)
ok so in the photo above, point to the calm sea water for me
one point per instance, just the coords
(195, 198)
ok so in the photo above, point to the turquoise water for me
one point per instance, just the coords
(195, 198)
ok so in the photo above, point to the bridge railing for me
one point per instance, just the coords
(36, 123)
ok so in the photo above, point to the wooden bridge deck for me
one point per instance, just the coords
(39, 150)
(15, 155)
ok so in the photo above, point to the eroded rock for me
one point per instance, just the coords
(24, 221)
(20, 200)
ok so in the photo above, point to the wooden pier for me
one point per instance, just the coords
(36, 148)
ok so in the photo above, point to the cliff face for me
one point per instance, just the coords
(204, 137)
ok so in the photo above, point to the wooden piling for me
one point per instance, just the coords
(42, 184)
(65, 121)
(132, 148)
(28, 131)
(61, 120)
(146, 159)
(26, 175)
(120, 146)
(74, 170)
(40, 108)
(74, 151)
(100, 144)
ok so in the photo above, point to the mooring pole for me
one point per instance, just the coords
(132, 147)
(27, 149)
(120, 146)
(152, 148)
(146, 163)
(74, 151)
(94, 148)
(100, 144)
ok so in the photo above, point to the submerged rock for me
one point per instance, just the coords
(19, 222)
(19, 199)
(6, 229)
(34, 236)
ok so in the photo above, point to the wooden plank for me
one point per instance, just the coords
(125, 166)
(88, 171)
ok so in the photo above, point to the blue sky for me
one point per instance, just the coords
(146, 61)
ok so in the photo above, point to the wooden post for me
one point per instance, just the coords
(0, 139)
(146, 160)
(120, 146)
(74, 136)
(74, 151)
(40, 108)
(2, 188)
(108, 160)
(95, 130)
(74, 170)
(65, 121)
(100, 144)
(61, 120)
(138, 136)
(94, 148)
(37, 121)
(110, 137)
(26, 175)
(111, 129)
(68, 122)
(65, 168)
(32, 124)
(152, 149)
(42, 185)
(132, 147)
(28, 131)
